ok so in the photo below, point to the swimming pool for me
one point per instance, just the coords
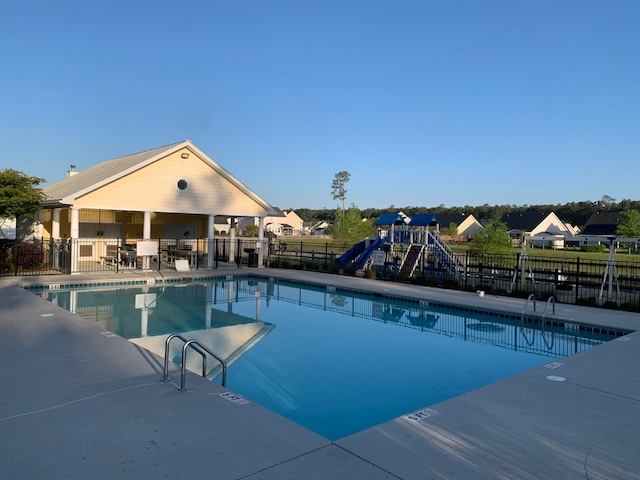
(334, 361)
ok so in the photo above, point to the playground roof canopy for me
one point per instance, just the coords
(424, 220)
(392, 219)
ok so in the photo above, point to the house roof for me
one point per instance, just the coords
(601, 223)
(523, 221)
(66, 191)
(447, 219)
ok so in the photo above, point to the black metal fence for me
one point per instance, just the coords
(37, 257)
(568, 280)
(48, 257)
(306, 255)
(577, 281)
(574, 280)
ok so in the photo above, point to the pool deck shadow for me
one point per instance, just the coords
(78, 402)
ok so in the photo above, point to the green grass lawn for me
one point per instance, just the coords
(622, 255)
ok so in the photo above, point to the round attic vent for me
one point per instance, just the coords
(183, 184)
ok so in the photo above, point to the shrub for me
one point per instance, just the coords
(594, 248)
(28, 255)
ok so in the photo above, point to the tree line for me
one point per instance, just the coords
(573, 213)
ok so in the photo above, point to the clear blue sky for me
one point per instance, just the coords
(423, 102)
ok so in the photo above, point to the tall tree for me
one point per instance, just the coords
(338, 190)
(492, 239)
(352, 228)
(19, 195)
(629, 225)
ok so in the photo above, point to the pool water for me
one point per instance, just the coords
(333, 361)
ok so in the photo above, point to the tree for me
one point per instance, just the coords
(492, 239)
(338, 190)
(19, 196)
(629, 225)
(351, 228)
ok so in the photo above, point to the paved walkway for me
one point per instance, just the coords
(78, 402)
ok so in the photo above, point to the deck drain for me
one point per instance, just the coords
(553, 365)
(556, 378)
(232, 397)
(619, 339)
(47, 315)
(421, 415)
(108, 334)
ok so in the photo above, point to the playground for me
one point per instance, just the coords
(425, 252)
(412, 249)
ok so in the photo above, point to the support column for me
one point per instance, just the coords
(232, 240)
(55, 224)
(211, 241)
(146, 235)
(55, 238)
(74, 236)
(146, 228)
(260, 244)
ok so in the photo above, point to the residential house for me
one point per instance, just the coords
(599, 227)
(174, 192)
(543, 229)
(466, 224)
(286, 224)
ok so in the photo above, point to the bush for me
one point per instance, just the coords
(594, 248)
(29, 255)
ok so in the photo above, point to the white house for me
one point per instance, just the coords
(287, 224)
(542, 229)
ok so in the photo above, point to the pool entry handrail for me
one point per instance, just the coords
(166, 355)
(532, 296)
(192, 343)
(552, 301)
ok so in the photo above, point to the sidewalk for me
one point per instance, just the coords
(78, 402)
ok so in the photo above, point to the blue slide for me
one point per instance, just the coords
(352, 253)
(361, 252)
(364, 256)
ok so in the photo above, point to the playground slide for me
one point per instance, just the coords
(364, 256)
(352, 253)
(356, 250)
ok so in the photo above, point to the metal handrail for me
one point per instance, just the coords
(183, 370)
(549, 300)
(166, 355)
(529, 298)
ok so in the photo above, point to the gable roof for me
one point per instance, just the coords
(523, 221)
(65, 192)
(602, 223)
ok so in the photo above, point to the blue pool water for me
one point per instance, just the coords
(333, 361)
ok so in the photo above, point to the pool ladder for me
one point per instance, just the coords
(198, 347)
(550, 301)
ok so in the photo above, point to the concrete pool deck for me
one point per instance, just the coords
(78, 402)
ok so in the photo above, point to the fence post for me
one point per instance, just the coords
(466, 270)
(515, 273)
(326, 253)
(575, 301)
(301, 252)
(15, 258)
